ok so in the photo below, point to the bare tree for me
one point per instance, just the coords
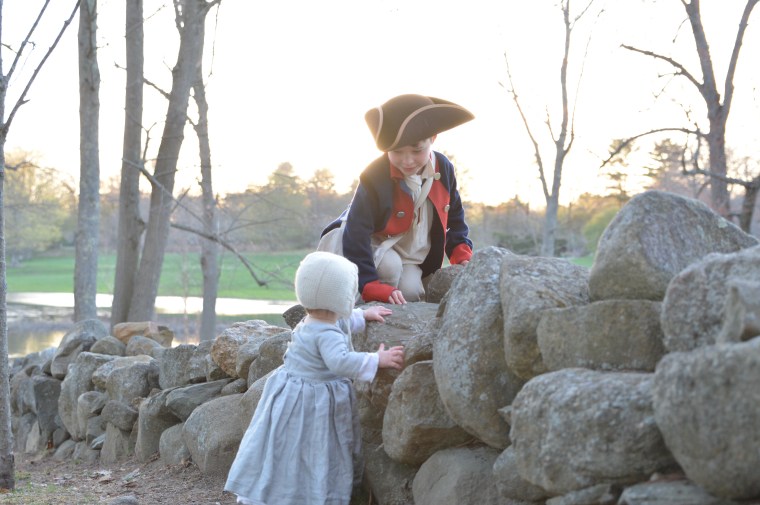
(7, 466)
(209, 249)
(717, 109)
(563, 139)
(88, 222)
(190, 16)
(131, 224)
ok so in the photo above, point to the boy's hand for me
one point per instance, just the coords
(376, 313)
(397, 298)
(391, 358)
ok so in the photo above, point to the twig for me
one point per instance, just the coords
(22, 99)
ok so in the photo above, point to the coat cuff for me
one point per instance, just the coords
(376, 291)
(461, 253)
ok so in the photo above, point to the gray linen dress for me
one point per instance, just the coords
(303, 446)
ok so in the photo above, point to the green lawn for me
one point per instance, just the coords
(181, 275)
(584, 261)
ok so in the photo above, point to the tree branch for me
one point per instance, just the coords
(626, 142)
(27, 39)
(22, 99)
(729, 86)
(537, 152)
(681, 69)
(216, 238)
(157, 185)
(225, 244)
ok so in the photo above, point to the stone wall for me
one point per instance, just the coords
(527, 380)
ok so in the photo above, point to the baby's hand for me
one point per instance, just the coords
(392, 358)
(376, 313)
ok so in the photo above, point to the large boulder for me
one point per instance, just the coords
(224, 350)
(172, 448)
(741, 317)
(510, 486)
(47, 391)
(577, 428)
(183, 400)
(118, 444)
(694, 309)
(78, 339)
(250, 400)
(415, 424)
(89, 405)
(78, 381)
(606, 335)
(133, 377)
(210, 437)
(389, 481)
(528, 286)
(154, 417)
(653, 237)
(182, 365)
(406, 322)
(270, 355)
(120, 415)
(670, 492)
(161, 334)
(109, 345)
(468, 355)
(707, 405)
(440, 283)
(456, 476)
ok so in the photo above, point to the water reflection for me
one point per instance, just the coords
(33, 328)
(21, 343)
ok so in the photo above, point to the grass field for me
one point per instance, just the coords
(584, 261)
(180, 276)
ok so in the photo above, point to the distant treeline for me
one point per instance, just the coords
(287, 212)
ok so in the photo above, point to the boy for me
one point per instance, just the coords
(406, 212)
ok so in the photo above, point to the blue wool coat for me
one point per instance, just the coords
(383, 204)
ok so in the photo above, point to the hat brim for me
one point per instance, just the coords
(407, 119)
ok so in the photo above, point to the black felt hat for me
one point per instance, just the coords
(407, 119)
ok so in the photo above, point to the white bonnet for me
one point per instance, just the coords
(327, 281)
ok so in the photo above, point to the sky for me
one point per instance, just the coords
(290, 81)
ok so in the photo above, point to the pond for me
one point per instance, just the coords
(37, 321)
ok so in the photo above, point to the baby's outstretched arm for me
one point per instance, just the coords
(390, 358)
(376, 313)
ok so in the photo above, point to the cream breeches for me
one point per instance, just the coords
(406, 277)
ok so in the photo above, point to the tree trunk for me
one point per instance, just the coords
(209, 249)
(549, 235)
(88, 224)
(7, 467)
(717, 112)
(561, 146)
(748, 204)
(130, 223)
(191, 19)
(7, 477)
(716, 143)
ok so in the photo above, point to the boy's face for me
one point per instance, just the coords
(412, 159)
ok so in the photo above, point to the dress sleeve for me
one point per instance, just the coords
(357, 322)
(369, 367)
(333, 347)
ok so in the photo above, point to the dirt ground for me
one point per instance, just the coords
(42, 481)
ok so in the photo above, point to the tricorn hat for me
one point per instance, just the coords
(407, 119)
